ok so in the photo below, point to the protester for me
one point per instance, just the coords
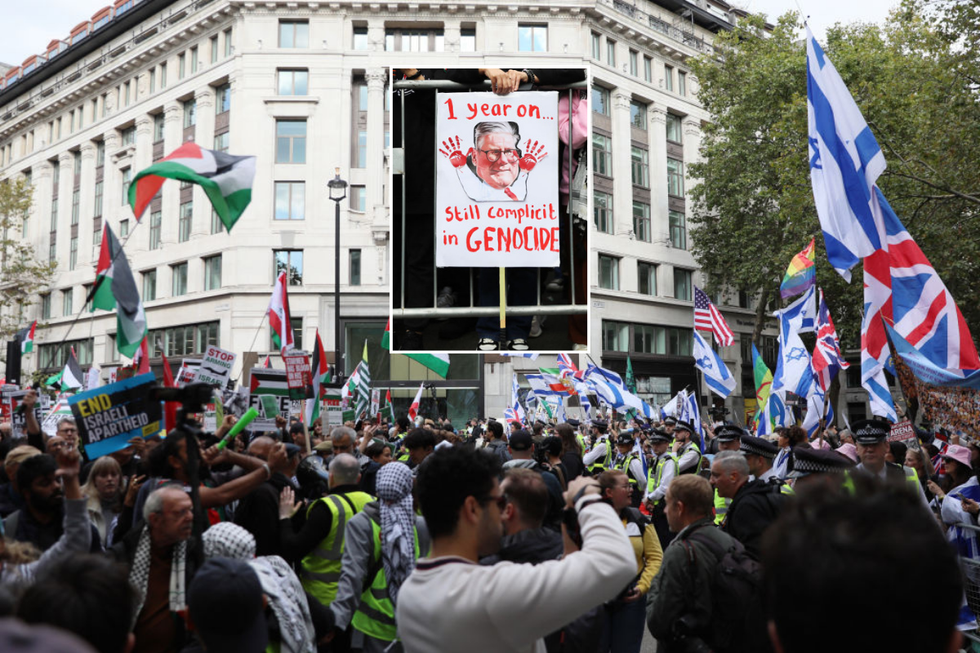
(258, 511)
(419, 444)
(226, 607)
(496, 443)
(11, 499)
(380, 455)
(571, 451)
(449, 604)
(104, 491)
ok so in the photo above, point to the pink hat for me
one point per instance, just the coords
(958, 453)
(848, 450)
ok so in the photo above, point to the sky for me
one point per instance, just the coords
(29, 27)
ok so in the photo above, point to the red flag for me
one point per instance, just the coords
(141, 361)
(268, 362)
(170, 407)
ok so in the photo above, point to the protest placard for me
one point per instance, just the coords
(902, 431)
(272, 384)
(497, 180)
(60, 409)
(109, 416)
(375, 402)
(187, 372)
(331, 407)
(6, 391)
(215, 367)
(298, 377)
(18, 418)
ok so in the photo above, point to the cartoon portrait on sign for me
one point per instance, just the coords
(497, 180)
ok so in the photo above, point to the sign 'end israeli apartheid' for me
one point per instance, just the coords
(497, 180)
(109, 416)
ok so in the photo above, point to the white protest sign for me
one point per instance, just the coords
(187, 372)
(497, 180)
(375, 402)
(215, 368)
(50, 422)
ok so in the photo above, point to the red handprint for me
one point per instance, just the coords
(535, 152)
(453, 151)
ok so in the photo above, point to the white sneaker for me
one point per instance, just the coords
(536, 324)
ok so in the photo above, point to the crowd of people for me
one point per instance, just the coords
(494, 536)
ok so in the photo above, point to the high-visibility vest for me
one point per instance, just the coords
(684, 450)
(911, 478)
(657, 472)
(597, 467)
(320, 570)
(721, 508)
(625, 468)
(375, 616)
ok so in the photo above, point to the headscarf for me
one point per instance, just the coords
(394, 489)
(279, 584)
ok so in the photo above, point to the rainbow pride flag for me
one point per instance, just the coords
(800, 275)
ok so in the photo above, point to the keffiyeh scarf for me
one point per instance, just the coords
(139, 575)
(394, 489)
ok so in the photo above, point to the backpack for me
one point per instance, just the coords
(738, 622)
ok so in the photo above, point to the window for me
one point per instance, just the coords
(638, 114)
(467, 40)
(674, 128)
(639, 166)
(73, 253)
(596, 46)
(149, 285)
(212, 272)
(634, 63)
(127, 178)
(100, 154)
(183, 340)
(55, 356)
(179, 286)
(610, 52)
(360, 43)
(647, 69)
(193, 60)
(361, 149)
(648, 339)
(291, 261)
(414, 40)
(681, 83)
(181, 65)
(679, 342)
(669, 77)
(52, 252)
(641, 221)
(190, 113)
(532, 38)
(75, 206)
(675, 177)
(355, 267)
(294, 34)
(294, 82)
(222, 99)
(221, 142)
(296, 323)
(682, 284)
(96, 243)
(646, 278)
(600, 100)
(214, 49)
(129, 136)
(184, 225)
(163, 77)
(608, 272)
(678, 230)
(216, 225)
(602, 154)
(228, 45)
(66, 297)
(125, 95)
(156, 218)
(615, 336)
(159, 121)
(358, 198)
(290, 141)
(290, 200)
(46, 307)
(76, 164)
(123, 228)
(603, 208)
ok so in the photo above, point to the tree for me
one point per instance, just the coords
(754, 208)
(22, 275)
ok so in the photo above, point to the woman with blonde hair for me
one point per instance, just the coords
(104, 491)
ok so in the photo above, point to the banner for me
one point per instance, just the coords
(375, 403)
(50, 422)
(268, 394)
(6, 391)
(18, 418)
(109, 416)
(902, 432)
(215, 368)
(298, 377)
(187, 372)
(497, 180)
(332, 412)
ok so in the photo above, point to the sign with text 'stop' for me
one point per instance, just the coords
(497, 180)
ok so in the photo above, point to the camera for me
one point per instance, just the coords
(193, 396)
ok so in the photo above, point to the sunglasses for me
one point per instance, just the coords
(501, 501)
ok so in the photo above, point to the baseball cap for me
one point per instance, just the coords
(225, 603)
(521, 441)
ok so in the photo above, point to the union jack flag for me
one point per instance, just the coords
(515, 409)
(827, 357)
(566, 367)
(709, 318)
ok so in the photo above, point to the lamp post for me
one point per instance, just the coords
(338, 192)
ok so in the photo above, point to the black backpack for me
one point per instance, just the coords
(738, 622)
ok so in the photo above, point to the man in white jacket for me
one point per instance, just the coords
(450, 603)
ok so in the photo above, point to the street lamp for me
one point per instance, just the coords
(338, 192)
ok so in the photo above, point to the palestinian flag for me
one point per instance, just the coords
(389, 406)
(71, 377)
(321, 377)
(413, 410)
(386, 338)
(141, 358)
(115, 287)
(226, 180)
(26, 339)
(282, 330)
(268, 382)
(438, 363)
(268, 363)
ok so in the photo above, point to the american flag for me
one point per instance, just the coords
(709, 318)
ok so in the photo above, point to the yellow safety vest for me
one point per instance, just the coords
(657, 472)
(626, 462)
(721, 508)
(597, 468)
(680, 454)
(320, 570)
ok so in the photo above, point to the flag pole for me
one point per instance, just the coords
(254, 338)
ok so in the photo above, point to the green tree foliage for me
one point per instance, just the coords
(22, 275)
(917, 88)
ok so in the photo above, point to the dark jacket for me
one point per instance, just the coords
(534, 546)
(556, 502)
(754, 507)
(258, 513)
(499, 447)
(683, 588)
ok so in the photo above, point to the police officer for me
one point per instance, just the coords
(662, 472)
(728, 437)
(870, 437)
(669, 424)
(816, 466)
(759, 454)
(628, 462)
(688, 453)
(600, 457)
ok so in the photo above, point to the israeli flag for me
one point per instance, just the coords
(801, 315)
(845, 162)
(716, 374)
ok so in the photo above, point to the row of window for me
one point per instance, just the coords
(646, 282)
(603, 217)
(638, 114)
(634, 65)
(639, 165)
(646, 338)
